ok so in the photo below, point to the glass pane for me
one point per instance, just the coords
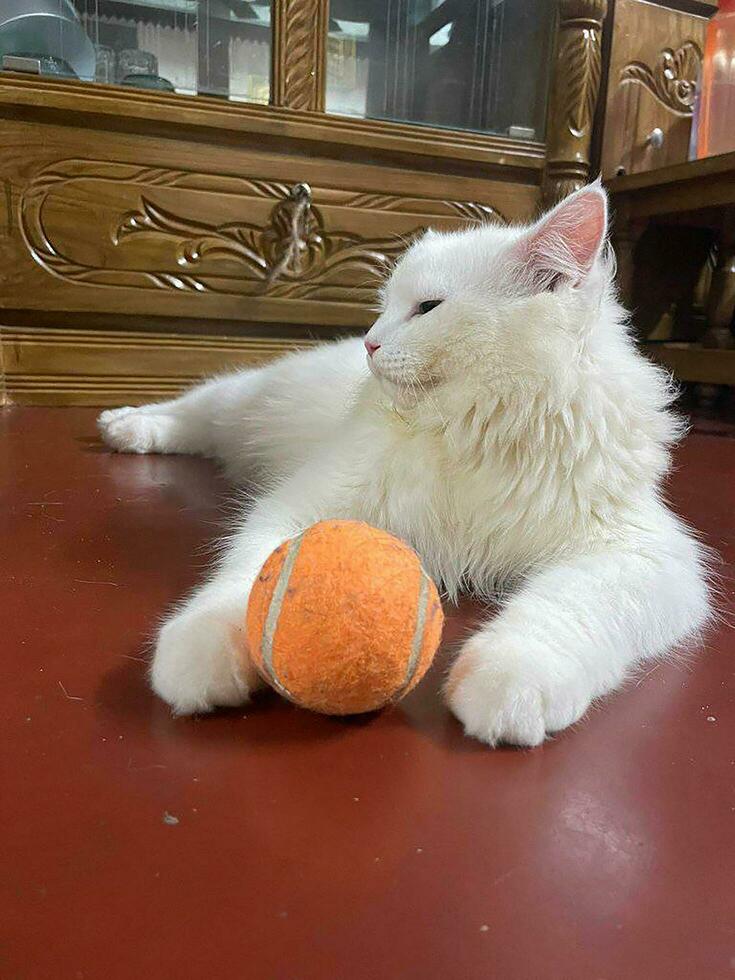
(468, 64)
(214, 47)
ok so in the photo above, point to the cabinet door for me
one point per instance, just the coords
(655, 57)
(214, 47)
(466, 64)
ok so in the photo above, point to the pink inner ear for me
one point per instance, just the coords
(568, 239)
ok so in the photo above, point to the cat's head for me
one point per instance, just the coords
(495, 305)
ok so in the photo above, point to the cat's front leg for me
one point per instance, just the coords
(201, 660)
(574, 631)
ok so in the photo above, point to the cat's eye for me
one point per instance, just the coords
(427, 306)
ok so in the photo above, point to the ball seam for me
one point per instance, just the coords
(274, 612)
(418, 635)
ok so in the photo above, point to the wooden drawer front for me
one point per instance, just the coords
(117, 223)
(656, 54)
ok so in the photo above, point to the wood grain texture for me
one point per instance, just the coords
(47, 366)
(687, 188)
(299, 53)
(157, 227)
(691, 362)
(574, 92)
(655, 57)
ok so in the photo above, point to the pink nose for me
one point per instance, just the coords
(371, 347)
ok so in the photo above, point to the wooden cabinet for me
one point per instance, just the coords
(655, 56)
(147, 237)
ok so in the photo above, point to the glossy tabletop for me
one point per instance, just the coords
(268, 842)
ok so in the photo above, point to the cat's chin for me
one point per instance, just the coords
(403, 394)
(402, 398)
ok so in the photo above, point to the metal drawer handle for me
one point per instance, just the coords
(655, 138)
(292, 213)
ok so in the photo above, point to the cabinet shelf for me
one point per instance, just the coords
(681, 188)
(692, 362)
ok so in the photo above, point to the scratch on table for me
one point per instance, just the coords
(503, 877)
(155, 765)
(71, 697)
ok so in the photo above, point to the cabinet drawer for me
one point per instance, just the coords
(124, 223)
(655, 56)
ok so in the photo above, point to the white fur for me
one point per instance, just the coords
(513, 435)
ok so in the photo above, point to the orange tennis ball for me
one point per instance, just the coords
(343, 619)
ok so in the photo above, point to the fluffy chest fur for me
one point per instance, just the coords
(485, 489)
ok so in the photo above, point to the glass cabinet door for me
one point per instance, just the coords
(466, 64)
(479, 65)
(213, 47)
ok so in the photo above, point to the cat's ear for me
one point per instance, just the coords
(564, 244)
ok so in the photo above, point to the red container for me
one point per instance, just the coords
(716, 109)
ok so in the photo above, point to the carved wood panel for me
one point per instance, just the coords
(159, 227)
(574, 93)
(655, 57)
(153, 233)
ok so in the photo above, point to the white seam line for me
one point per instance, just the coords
(274, 611)
(418, 633)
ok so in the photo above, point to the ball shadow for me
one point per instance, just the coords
(124, 695)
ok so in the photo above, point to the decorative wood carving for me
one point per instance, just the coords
(655, 57)
(163, 243)
(672, 80)
(299, 53)
(574, 92)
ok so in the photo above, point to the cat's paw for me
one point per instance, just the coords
(515, 691)
(199, 663)
(133, 430)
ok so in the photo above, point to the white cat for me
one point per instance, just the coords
(504, 425)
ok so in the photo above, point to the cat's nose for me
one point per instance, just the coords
(370, 347)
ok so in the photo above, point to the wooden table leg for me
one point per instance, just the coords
(721, 299)
(626, 235)
(720, 306)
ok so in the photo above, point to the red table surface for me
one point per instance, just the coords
(309, 847)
